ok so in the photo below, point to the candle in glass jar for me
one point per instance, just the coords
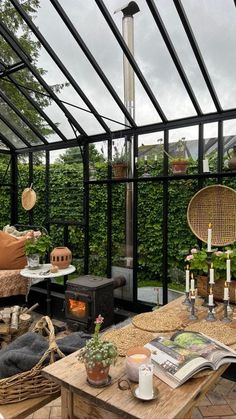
(226, 292)
(211, 275)
(134, 358)
(187, 279)
(145, 389)
(209, 235)
(228, 269)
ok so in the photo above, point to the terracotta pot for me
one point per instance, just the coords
(97, 375)
(218, 288)
(179, 167)
(119, 170)
(61, 257)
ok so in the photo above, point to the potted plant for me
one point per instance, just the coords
(179, 163)
(97, 356)
(36, 246)
(200, 263)
(119, 163)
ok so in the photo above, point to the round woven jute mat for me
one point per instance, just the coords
(158, 322)
(127, 338)
(216, 330)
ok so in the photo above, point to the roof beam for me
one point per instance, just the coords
(130, 58)
(9, 69)
(14, 130)
(58, 62)
(92, 60)
(197, 53)
(170, 46)
(142, 130)
(7, 35)
(6, 142)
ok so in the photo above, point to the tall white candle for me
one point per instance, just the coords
(226, 293)
(187, 279)
(145, 158)
(145, 388)
(192, 284)
(210, 298)
(211, 275)
(228, 269)
(209, 236)
(155, 157)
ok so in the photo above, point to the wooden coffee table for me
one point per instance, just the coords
(80, 400)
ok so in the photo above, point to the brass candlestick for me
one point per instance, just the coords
(226, 318)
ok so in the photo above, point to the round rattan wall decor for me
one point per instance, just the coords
(216, 205)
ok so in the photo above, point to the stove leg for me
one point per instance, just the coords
(48, 299)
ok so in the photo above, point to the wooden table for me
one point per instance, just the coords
(79, 400)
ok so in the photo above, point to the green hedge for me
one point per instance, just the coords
(66, 203)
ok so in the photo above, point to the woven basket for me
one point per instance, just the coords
(31, 384)
(216, 205)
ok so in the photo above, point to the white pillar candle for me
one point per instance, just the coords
(210, 300)
(226, 293)
(211, 275)
(187, 280)
(145, 158)
(155, 157)
(145, 389)
(209, 235)
(192, 284)
(228, 270)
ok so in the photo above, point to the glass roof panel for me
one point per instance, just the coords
(156, 65)
(18, 124)
(17, 98)
(3, 146)
(7, 55)
(214, 26)
(9, 134)
(185, 53)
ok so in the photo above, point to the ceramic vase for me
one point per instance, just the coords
(61, 257)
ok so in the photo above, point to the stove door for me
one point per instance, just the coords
(78, 306)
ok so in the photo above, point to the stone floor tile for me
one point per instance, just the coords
(204, 401)
(215, 397)
(43, 413)
(218, 410)
(55, 412)
(232, 404)
(196, 414)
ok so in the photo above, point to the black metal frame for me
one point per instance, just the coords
(83, 140)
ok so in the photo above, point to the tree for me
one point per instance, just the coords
(10, 17)
(74, 155)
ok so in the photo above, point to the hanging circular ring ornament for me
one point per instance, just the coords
(28, 198)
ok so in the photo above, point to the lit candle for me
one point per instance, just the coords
(145, 158)
(155, 157)
(192, 295)
(228, 269)
(210, 298)
(192, 283)
(146, 381)
(211, 275)
(226, 292)
(187, 279)
(134, 360)
(209, 235)
(136, 160)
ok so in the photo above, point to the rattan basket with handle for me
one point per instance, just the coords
(30, 384)
(214, 204)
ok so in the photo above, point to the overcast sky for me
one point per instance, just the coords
(214, 26)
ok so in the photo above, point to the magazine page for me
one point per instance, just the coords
(208, 348)
(173, 361)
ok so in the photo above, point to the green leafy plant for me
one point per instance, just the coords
(119, 156)
(198, 261)
(98, 351)
(38, 245)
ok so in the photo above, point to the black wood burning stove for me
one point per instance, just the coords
(86, 297)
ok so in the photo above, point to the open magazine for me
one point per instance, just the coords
(177, 359)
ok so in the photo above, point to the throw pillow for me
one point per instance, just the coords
(12, 252)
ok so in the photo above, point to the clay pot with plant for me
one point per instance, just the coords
(179, 163)
(98, 355)
(119, 164)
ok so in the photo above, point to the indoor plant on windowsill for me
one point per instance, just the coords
(97, 356)
(179, 163)
(198, 262)
(36, 246)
